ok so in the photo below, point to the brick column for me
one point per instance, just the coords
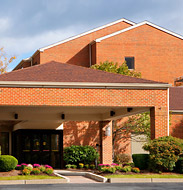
(159, 122)
(106, 143)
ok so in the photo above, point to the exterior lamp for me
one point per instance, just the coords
(108, 131)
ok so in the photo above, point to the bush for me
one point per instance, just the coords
(126, 169)
(68, 166)
(49, 171)
(42, 168)
(92, 166)
(18, 167)
(26, 172)
(141, 160)
(121, 158)
(164, 153)
(29, 168)
(179, 166)
(23, 165)
(118, 168)
(35, 171)
(7, 163)
(81, 165)
(73, 166)
(136, 170)
(86, 166)
(80, 154)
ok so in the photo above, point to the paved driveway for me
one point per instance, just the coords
(98, 186)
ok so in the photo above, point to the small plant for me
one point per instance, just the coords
(136, 170)
(92, 166)
(36, 165)
(23, 165)
(35, 171)
(118, 168)
(42, 168)
(29, 168)
(68, 166)
(126, 169)
(26, 172)
(81, 165)
(48, 166)
(18, 167)
(48, 171)
(86, 166)
(73, 166)
(30, 165)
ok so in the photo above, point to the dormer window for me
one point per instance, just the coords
(130, 62)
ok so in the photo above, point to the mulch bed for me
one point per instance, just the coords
(18, 172)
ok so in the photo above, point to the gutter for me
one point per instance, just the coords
(177, 111)
(30, 84)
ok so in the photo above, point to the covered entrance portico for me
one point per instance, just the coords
(43, 105)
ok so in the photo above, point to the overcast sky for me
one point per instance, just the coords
(27, 25)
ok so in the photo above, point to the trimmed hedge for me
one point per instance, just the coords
(179, 165)
(7, 163)
(80, 154)
(141, 161)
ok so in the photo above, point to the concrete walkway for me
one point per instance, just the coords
(76, 177)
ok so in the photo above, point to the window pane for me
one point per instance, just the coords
(130, 62)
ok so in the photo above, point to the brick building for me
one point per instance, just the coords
(56, 80)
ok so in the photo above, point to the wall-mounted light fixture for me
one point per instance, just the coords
(112, 113)
(108, 131)
(62, 116)
(129, 109)
(16, 115)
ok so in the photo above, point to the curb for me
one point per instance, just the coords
(145, 180)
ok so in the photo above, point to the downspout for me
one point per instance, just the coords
(168, 105)
(90, 54)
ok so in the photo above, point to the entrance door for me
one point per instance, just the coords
(39, 146)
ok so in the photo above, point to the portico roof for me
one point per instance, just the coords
(55, 72)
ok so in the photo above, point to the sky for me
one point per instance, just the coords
(27, 25)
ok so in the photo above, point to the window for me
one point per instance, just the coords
(130, 62)
(4, 142)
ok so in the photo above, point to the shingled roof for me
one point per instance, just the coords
(63, 72)
(176, 98)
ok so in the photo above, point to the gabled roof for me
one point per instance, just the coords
(176, 98)
(137, 25)
(88, 32)
(56, 72)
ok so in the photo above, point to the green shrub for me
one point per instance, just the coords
(73, 166)
(136, 170)
(126, 169)
(118, 168)
(29, 168)
(80, 154)
(92, 166)
(35, 171)
(48, 171)
(86, 166)
(141, 160)
(121, 158)
(81, 165)
(7, 163)
(68, 166)
(42, 168)
(164, 153)
(26, 172)
(179, 165)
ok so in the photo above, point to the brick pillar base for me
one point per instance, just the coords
(106, 143)
(159, 122)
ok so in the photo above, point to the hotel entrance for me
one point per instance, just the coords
(38, 146)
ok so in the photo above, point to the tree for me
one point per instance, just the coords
(116, 68)
(136, 124)
(4, 61)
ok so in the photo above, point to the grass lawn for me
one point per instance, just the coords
(146, 176)
(29, 177)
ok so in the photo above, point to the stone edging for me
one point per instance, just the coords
(145, 180)
(96, 177)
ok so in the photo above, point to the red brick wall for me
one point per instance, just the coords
(158, 55)
(176, 127)
(77, 51)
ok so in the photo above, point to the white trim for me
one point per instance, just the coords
(88, 32)
(168, 103)
(176, 111)
(137, 25)
(82, 85)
